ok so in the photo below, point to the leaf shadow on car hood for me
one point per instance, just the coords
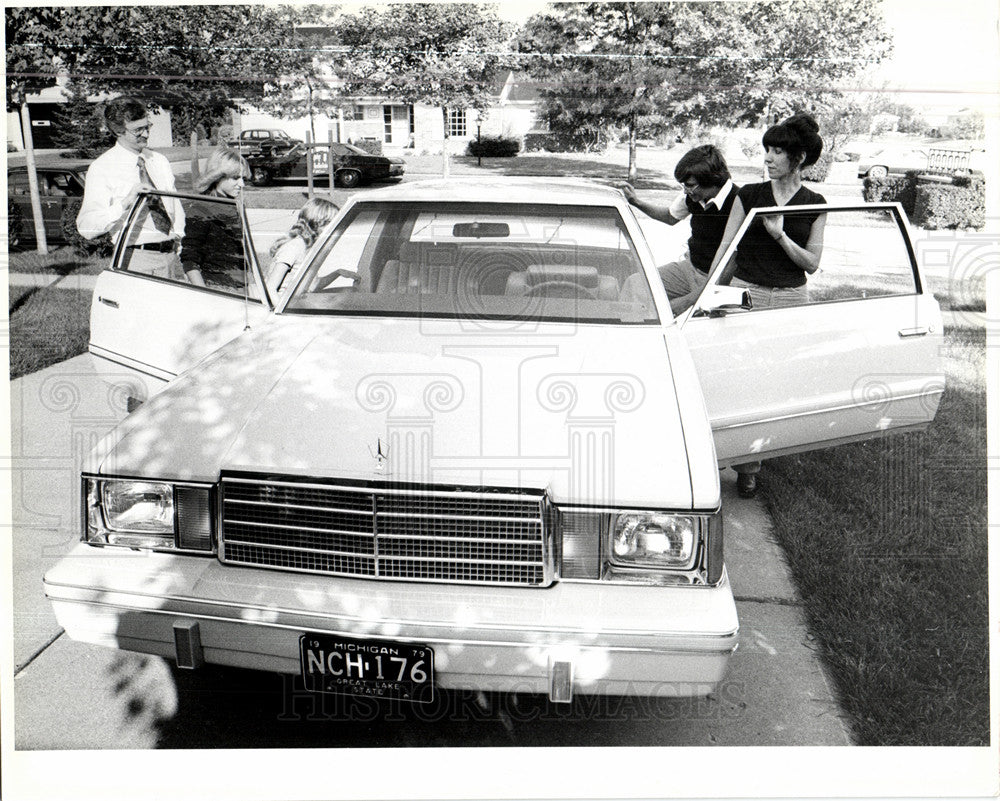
(585, 412)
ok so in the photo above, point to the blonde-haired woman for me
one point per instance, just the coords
(213, 243)
(287, 252)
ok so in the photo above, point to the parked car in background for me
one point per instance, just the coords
(470, 447)
(352, 166)
(271, 141)
(61, 191)
(940, 158)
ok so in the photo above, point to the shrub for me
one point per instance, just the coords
(817, 172)
(892, 189)
(502, 146)
(369, 145)
(554, 142)
(958, 205)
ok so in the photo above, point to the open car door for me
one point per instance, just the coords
(173, 296)
(859, 358)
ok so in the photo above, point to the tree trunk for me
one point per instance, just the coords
(444, 141)
(36, 199)
(195, 166)
(632, 169)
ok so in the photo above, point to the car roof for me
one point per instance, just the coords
(69, 166)
(502, 189)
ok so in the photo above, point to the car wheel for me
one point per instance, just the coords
(260, 176)
(348, 178)
(878, 171)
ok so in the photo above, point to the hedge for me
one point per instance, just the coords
(563, 143)
(932, 204)
(369, 145)
(951, 206)
(892, 189)
(494, 146)
(817, 172)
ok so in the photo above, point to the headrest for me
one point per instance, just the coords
(576, 274)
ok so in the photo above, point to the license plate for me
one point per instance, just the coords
(371, 668)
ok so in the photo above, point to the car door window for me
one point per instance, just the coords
(19, 184)
(864, 255)
(206, 248)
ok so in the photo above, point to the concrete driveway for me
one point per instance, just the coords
(67, 694)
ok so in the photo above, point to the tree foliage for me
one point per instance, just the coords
(442, 54)
(650, 66)
(197, 61)
(80, 125)
(33, 47)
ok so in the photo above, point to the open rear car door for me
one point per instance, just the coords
(861, 357)
(149, 318)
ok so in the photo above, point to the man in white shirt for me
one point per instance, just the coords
(114, 181)
(707, 199)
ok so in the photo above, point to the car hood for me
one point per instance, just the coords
(588, 413)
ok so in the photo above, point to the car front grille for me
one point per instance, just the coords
(478, 536)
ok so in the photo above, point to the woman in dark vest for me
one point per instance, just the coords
(707, 199)
(777, 253)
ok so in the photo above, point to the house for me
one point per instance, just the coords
(415, 127)
(397, 126)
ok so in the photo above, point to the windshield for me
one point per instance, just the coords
(492, 260)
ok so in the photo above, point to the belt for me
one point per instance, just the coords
(166, 246)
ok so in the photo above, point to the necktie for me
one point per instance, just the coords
(156, 210)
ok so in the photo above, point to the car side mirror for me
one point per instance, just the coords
(721, 300)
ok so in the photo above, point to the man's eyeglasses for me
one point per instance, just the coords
(139, 130)
(691, 184)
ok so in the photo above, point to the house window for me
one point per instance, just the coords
(352, 113)
(387, 124)
(456, 122)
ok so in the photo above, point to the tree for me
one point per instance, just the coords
(446, 55)
(198, 62)
(648, 66)
(305, 82)
(601, 66)
(79, 124)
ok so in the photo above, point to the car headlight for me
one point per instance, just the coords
(138, 506)
(654, 539)
(137, 513)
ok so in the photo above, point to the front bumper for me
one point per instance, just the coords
(610, 639)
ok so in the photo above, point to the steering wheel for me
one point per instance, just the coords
(561, 287)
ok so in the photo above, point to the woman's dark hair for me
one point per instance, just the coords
(705, 164)
(798, 136)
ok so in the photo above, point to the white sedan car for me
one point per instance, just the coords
(468, 446)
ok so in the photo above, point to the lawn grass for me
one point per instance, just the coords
(887, 542)
(47, 325)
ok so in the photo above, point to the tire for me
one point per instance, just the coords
(348, 178)
(878, 171)
(260, 176)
